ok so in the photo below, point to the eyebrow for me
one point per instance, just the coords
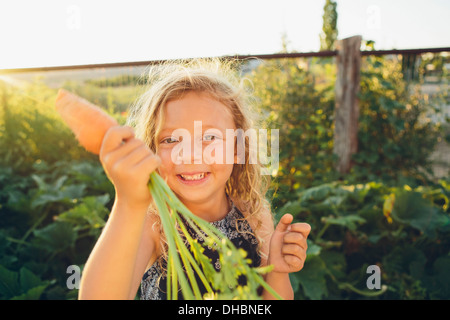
(204, 127)
(167, 129)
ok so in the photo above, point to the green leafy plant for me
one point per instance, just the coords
(299, 102)
(50, 220)
(402, 230)
(395, 137)
(182, 261)
(22, 285)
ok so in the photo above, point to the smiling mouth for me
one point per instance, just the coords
(193, 177)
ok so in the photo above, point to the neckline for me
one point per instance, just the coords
(231, 212)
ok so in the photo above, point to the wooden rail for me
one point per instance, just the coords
(239, 57)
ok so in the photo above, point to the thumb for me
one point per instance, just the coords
(284, 223)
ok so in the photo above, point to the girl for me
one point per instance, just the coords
(131, 249)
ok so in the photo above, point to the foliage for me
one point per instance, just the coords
(350, 230)
(55, 197)
(114, 98)
(432, 65)
(29, 129)
(298, 98)
(117, 81)
(302, 111)
(395, 134)
(404, 231)
(50, 220)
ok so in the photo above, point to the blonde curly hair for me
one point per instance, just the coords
(221, 80)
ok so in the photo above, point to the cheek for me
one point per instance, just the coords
(218, 153)
(222, 171)
(167, 165)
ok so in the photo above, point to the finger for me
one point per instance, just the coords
(293, 249)
(127, 147)
(136, 154)
(294, 262)
(122, 151)
(114, 137)
(284, 223)
(294, 237)
(303, 228)
(149, 163)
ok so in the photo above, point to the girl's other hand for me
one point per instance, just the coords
(128, 163)
(287, 252)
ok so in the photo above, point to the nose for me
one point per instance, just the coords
(195, 147)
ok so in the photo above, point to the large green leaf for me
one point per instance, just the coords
(32, 294)
(28, 279)
(439, 284)
(56, 191)
(351, 221)
(292, 207)
(313, 249)
(312, 278)
(91, 212)
(318, 193)
(22, 285)
(55, 237)
(420, 213)
(9, 283)
(406, 259)
(336, 264)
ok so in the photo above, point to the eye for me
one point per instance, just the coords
(169, 140)
(210, 137)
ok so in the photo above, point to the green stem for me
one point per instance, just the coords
(321, 232)
(163, 197)
(18, 241)
(184, 253)
(348, 286)
(191, 258)
(32, 228)
(168, 225)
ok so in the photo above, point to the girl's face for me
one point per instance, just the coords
(192, 146)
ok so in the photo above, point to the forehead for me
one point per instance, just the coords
(197, 106)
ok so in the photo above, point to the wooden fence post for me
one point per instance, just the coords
(348, 61)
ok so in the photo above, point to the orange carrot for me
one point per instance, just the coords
(86, 120)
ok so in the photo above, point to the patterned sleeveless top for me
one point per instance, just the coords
(233, 226)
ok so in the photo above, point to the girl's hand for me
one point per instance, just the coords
(128, 163)
(287, 251)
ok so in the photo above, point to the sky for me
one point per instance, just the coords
(61, 32)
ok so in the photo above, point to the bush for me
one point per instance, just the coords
(30, 129)
(292, 102)
(49, 221)
(395, 136)
(353, 225)
(54, 197)
(403, 231)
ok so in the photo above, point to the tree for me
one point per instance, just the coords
(329, 29)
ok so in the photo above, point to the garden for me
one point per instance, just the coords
(391, 210)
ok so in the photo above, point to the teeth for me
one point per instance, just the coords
(193, 177)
